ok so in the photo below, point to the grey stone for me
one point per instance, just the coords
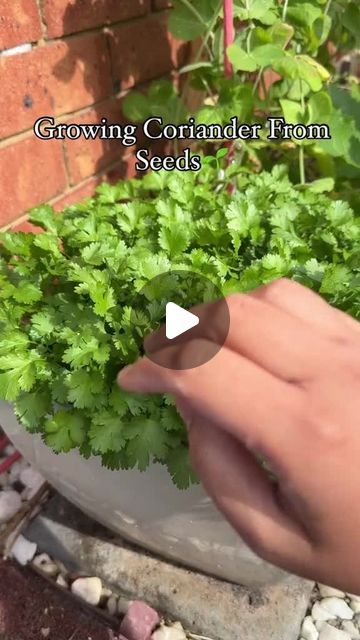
(204, 605)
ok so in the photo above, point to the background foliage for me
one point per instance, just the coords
(286, 62)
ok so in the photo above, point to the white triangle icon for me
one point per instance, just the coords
(178, 320)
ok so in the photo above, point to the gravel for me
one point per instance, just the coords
(89, 589)
(332, 615)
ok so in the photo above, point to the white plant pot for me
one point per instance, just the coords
(147, 509)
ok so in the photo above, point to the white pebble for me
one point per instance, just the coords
(45, 632)
(112, 605)
(319, 614)
(169, 633)
(10, 504)
(350, 628)
(9, 450)
(331, 633)
(46, 565)
(16, 468)
(23, 550)
(355, 605)
(60, 580)
(89, 589)
(329, 592)
(308, 629)
(31, 479)
(352, 596)
(337, 608)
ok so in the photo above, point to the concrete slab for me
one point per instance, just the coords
(204, 605)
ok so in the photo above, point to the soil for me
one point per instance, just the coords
(32, 609)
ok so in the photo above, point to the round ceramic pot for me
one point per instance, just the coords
(147, 509)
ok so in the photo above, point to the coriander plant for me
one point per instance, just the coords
(67, 317)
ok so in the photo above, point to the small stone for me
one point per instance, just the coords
(112, 605)
(331, 633)
(16, 468)
(337, 607)
(139, 622)
(350, 628)
(308, 629)
(23, 550)
(123, 605)
(318, 613)
(46, 565)
(169, 633)
(10, 504)
(355, 606)
(88, 589)
(9, 450)
(31, 479)
(329, 592)
(60, 580)
(352, 596)
(45, 632)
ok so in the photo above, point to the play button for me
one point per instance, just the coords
(178, 320)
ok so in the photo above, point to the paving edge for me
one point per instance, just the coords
(203, 604)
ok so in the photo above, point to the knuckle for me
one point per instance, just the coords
(277, 288)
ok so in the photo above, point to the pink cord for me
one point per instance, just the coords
(228, 34)
(4, 466)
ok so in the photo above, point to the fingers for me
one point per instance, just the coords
(245, 400)
(269, 336)
(301, 302)
(245, 495)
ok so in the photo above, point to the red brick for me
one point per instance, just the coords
(26, 226)
(79, 193)
(161, 4)
(86, 157)
(32, 171)
(144, 50)
(53, 79)
(64, 16)
(19, 22)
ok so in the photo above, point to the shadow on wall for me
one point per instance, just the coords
(123, 56)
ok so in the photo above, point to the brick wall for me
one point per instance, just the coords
(73, 60)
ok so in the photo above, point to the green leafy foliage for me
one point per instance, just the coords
(285, 58)
(69, 319)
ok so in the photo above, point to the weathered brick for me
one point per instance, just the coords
(32, 171)
(26, 226)
(64, 16)
(19, 22)
(144, 50)
(161, 4)
(79, 193)
(57, 78)
(86, 157)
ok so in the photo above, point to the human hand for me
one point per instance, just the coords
(285, 386)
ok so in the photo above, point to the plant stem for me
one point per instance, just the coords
(284, 15)
(257, 81)
(327, 8)
(302, 165)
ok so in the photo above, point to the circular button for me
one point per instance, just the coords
(188, 317)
